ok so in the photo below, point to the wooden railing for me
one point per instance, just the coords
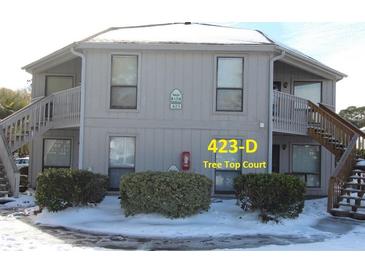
(346, 142)
(340, 175)
(66, 108)
(360, 142)
(290, 113)
(60, 109)
(329, 129)
(11, 169)
(20, 127)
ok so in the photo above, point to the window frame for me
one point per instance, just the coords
(308, 173)
(55, 138)
(124, 86)
(239, 171)
(64, 75)
(309, 81)
(227, 88)
(109, 150)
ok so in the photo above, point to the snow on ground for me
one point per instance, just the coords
(352, 241)
(23, 201)
(224, 218)
(16, 235)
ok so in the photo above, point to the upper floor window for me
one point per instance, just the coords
(308, 90)
(124, 82)
(229, 93)
(56, 83)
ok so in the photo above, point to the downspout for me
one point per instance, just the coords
(271, 102)
(82, 107)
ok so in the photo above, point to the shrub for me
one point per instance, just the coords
(361, 153)
(173, 194)
(58, 189)
(275, 195)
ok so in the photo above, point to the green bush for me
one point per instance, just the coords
(173, 194)
(275, 195)
(58, 189)
(361, 153)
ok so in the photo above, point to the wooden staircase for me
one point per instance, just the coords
(61, 109)
(4, 183)
(346, 188)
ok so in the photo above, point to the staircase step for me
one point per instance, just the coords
(353, 190)
(357, 177)
(358, 215)
(351, 214)
(355, 184)
(352, 198)
(340, 213)
(358, 171)
(350, 205)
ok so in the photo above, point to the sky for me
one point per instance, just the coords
(30, 30)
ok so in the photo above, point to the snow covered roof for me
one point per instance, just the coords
(183, 33)
(192, 33)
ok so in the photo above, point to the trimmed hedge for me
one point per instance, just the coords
(275, 195)
(58, 189)
(173, 194)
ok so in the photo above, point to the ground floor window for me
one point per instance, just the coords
(224, 176)
(56, 153)
(307, 164)
(121, 158)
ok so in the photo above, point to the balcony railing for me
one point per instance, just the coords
(290, 114)
(66, 108)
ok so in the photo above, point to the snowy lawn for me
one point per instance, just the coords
(17, 235)
(23, 201)
(224, 218)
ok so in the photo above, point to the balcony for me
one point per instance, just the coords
(290, 114)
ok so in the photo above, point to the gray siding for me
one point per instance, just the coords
(72, 67)
(287, 73)
(162, 134)
(327, 159)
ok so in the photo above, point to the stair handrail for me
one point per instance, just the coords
(10, 167)
(2, 121)
(333, 115)
(343, 121)
(341, 173)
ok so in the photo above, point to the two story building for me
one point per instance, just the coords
(132, 99)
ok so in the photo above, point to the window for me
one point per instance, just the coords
(57, 83)
(124, 82)
(308, 90)
(276, 86)
(224, 176)
(56, 153)
(229, 93)
(307, 164)
(121, 158)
